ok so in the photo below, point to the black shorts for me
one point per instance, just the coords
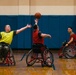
(4, 48)
(38, 48)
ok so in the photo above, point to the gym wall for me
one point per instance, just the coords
(57, 15)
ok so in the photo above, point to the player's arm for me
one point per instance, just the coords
(36, 21)
(42, 35)
(70, 41)
(22, 29)
(45, 35)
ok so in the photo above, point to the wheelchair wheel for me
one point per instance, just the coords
(49, 58)
(31, 58)
(69, 52)
(12, 57)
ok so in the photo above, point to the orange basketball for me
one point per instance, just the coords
(37, 15)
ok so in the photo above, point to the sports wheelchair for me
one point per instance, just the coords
(67, 52)
(38, 54)
(6, 55)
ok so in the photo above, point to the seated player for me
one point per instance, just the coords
(38, 37)
(72, 39)
(6, 38)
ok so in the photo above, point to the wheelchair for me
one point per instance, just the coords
(70, 51)
(67, 52)
(6, 55)
(38, 54)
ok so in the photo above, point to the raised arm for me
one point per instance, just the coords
(36, 21)
(23, 28)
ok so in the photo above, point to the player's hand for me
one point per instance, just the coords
(49, 36)
(66, 45)
(36, 21)
(28, 26)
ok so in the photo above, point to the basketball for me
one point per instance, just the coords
(37, 15)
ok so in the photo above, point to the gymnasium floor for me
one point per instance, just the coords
(63, 67)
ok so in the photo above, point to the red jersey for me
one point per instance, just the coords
(36, 37)
(74, 38)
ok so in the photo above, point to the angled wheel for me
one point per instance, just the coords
(49, 58)
(69, 52)
(31, 58)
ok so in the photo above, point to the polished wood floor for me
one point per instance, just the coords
(63, 67)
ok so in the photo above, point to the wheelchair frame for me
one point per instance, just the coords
(38, 59)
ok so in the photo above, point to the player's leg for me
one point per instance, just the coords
(0, 51)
